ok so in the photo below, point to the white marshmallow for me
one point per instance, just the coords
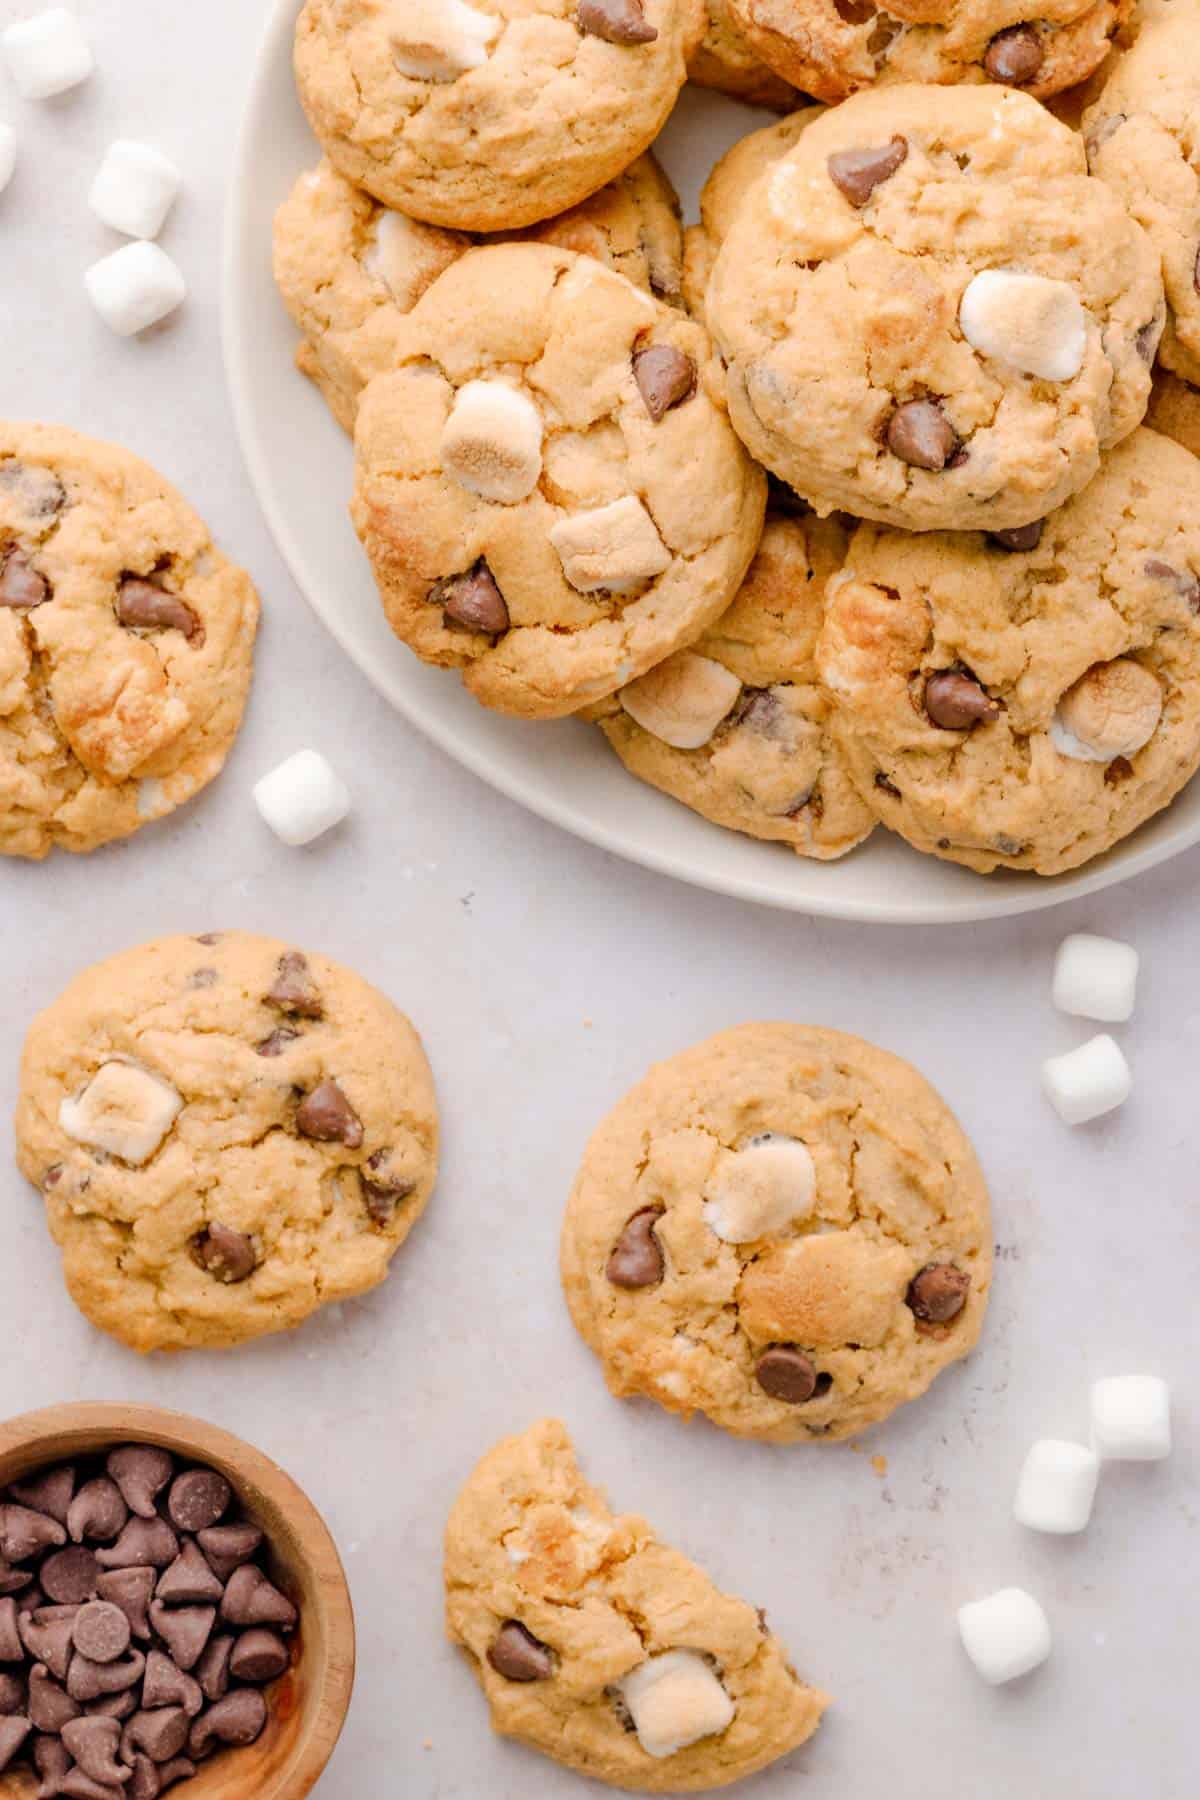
(682, 700)
(1095, 978)
(1131, 1418)
(134, 189)
(302, 798)
(760, 1190)
(1057, 1486)
(439, 40)
(1005, 1635)
(47, 54)
(1113, 710)
(675, 1700)
(1027, 321)
(125, 1110)
(135, 287)
(492, 441)
(614, 547)
(8, 155)
(1087, 1082)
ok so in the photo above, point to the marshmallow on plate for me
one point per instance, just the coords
(675, 1700)
(8, 155)
(47, 54)
(1095, 978)
(1005, 1635)
(134, 189)
(1028, 321)
(1131, 1418)
(1089, 1081)
(1057, 1486)
(135, 287)
(302, 798)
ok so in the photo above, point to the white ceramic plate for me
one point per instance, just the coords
(300, 465)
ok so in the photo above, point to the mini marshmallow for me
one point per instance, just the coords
(1111, 711)
(47, 54)
(1087, 1082)
(134, 288)
(8, 155)
(134, 189)
(302, 798)
(760, 1190)
(439, 40)
(124, 1109)
(675, 1700)
(492, 441)
(1095, 978)
(682, 700)
(614, 547)
(1057, 1486)
(1131, 1418)
(1005, 1635)
(1027, 321)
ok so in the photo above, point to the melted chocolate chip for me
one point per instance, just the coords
(956, 701)
(293, 989)
(665, 378)
(885, 785)
(327, 1117)
(144, 606)
(227, 1255)
(939, 1293)
(758, 710)
(21, 587)
(1182, 580)
(472, 601)
(519, 1656)
(857, 173)
(786, 1374)
(1020, 537)
(382, 1189)
(1015, 56)
(277, 1043)
(636, 1259)
(616, 21)
(920, 434)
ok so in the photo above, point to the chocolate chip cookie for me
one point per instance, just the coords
(1175, 410)
(932, 315)
(348, 268)
(1026, 701)
(548, 487)
(126, 644)
(486, 118)
(783, 1228)
(228, 1133)
(725, 62)
(735, 727)
(831, 48)
(600, 1646)
(722, 195)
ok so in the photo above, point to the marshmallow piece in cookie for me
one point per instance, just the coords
(1131, 1418)
(439, 40)
(1057, 1486)
(1088, 1082)
(124, 1110)
(1095, 978)
(675, 1700)
(47, 54)
(8, 155)
(1111, 711)
(134, 189)
(614, 547)
(1005, 1635)
(761, 1189)
(1032, 323)
(492, 442)
(682, 700)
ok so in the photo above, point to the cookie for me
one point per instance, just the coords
(932, 315)
(227, 1133)
(126, 644)
(548, 487)
(721, 197)
(725, 62)
(487, 119)
(1142, 139)
(1175, 410)
(348, 268)
(602, 1647)
(783, 1228)
(833, 48)
(735, 727)
(1027, 703)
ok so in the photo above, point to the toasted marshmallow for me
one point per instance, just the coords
(439, 40)
(1113, 710)
(1028, 321)
(760, 1190)
(492, 442)
(682, 700)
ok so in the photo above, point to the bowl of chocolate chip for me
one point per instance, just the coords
(174, 1615)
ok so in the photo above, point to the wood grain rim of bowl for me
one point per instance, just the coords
(308, 1704)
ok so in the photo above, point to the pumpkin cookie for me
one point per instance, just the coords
(600, 1646)
(227, 1133)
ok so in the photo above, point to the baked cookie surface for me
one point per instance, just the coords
(1175, 410)
(722, 195)
(783, 1228)
(126, 644)
(227, 1133)
(1027, 708)
(932, 315)
(832, 48)
(548, 487)
(736, 726)
(602, 1647)
(725, 62)
(483, 119)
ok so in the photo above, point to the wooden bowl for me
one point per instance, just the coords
(308, 1704)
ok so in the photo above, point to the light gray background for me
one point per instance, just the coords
(545, 977)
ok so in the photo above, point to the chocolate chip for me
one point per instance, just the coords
(70, 1577)
(1184, 582)
(143, 1783)
(665, 376)
(227, 1547)
(259, 1655)
(189, 1581)
(616, 21)
(94, 1744)
(250, 1599)
(13, 1732)
(857, 173)
(472, 600)
(277, 1043)
(955, 701)
(52, 1761)
(920, 434)
(113, 1706)
(167, 1685)
(144, 606)
(52, 1491)
(212, 1671)
(1015, 56)
(144, 1543)
(786, 1374)
(293, 989)
(100, 1631)
(227, 1255)
(237, 1719)
(13, 1693)
(1118, 770)
(179, 1770)
(328, 1117)
(21, 587)
(12, 1580)
(1020, 537)
(141, 1471)
(39, 492)
(939, 1293)
(758, 709)
(78, 1786)
(97, 1512)
(518, 1655)
(88, 1680)
(160, 1734)
(888, 787)
(636, 1259)
(50, 1705)
(199, 1498)
(23, 1533)
(131, 1590)
(383, 1189)
(11, 1647)
(184, 1630)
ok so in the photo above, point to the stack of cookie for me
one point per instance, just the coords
(844, 512)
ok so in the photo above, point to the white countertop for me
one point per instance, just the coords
(545, 977)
